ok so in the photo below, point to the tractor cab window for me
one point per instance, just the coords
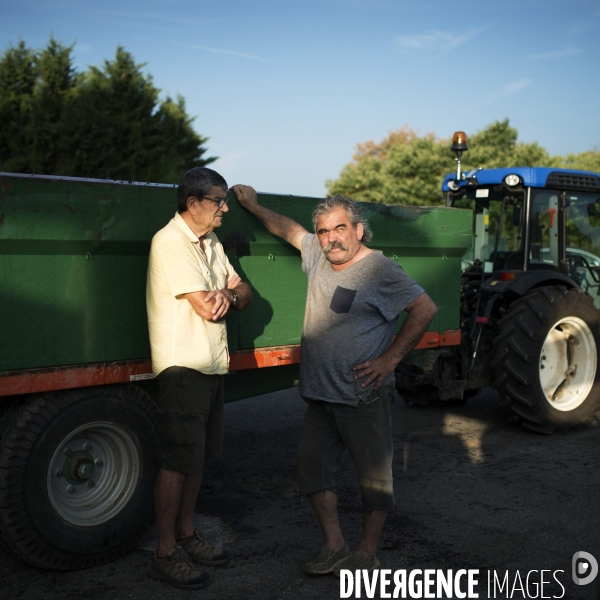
(543, 248)
(583, 241)
(497, 228)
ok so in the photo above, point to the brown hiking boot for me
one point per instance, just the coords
(177, 568)
(200, 550)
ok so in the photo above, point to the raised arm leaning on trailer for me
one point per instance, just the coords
(78, 429)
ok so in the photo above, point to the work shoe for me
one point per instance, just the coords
(356, 561)
(327, 560)
(200, 550)
(177, 568)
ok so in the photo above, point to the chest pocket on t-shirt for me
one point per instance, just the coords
(342, 300)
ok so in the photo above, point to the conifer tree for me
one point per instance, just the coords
(107, 122)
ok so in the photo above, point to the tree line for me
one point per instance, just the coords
(106, 122)
(109, 122)
(408, 168)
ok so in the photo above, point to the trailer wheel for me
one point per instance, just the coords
(77, 472)
(545, 359)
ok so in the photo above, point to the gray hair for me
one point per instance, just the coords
(352, 209)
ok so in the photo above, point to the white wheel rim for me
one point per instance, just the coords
(568, 364)
(111, 455)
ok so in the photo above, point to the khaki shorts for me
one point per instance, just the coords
(365, 431)
(191, 418)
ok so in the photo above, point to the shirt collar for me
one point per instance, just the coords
(179, 222)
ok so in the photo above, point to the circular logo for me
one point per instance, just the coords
(585, 568)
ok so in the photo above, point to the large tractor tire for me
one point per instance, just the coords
(77, 472)
(545, 359)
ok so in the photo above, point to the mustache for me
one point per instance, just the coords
(327, 249)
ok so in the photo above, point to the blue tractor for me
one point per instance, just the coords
(530, 296)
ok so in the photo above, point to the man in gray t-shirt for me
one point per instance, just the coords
(355, 309)
(347, 361)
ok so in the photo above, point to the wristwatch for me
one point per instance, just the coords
(235, 299)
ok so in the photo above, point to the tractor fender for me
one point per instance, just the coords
(533, 279)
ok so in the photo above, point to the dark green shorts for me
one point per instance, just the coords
(191, 418)
(365, 431)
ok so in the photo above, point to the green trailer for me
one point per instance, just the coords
(79, 443)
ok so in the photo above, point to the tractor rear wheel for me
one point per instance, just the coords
(545, 359)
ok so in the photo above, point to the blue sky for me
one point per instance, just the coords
(285, 89)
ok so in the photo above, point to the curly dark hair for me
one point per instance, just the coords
(352, 209)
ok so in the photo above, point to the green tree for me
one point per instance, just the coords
(18, 74)
(496, 146)
(406, 168)
(106, 122)
(586, 161)
(54, 90)
(403, 169)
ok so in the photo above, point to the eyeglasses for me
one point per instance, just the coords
(218, 201)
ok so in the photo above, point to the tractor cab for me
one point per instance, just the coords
(531, 225)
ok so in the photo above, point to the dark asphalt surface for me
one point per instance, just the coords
(472, 491)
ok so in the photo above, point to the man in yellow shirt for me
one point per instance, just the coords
(191, 287)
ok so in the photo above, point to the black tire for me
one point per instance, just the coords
(103, 442)
(8, 410)
(545, 359)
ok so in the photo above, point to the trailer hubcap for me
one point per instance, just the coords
(79, 467)
(568, 364)
(93, 473)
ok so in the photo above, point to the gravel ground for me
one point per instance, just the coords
(472, 492)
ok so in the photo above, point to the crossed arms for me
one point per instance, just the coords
(215, 305)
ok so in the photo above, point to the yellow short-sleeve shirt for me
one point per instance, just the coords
(177, 266)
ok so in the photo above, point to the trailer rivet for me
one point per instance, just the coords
(98, 462)
(542, 367)
(88, 447)
(68, 451)
(71, 489)
(59, 473)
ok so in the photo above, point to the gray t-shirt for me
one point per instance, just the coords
(350, 318)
